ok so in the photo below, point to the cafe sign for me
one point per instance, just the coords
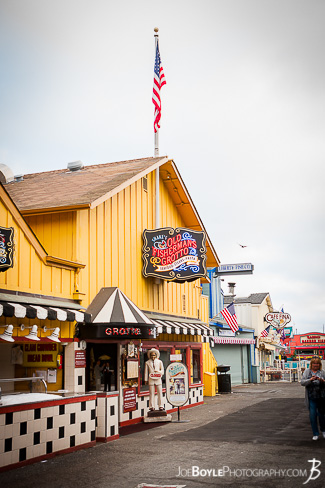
(278, 319)
(6, 248)
(174, 254)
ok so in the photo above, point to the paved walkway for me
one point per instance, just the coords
(258, 436)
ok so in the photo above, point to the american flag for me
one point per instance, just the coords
(230, 317)
(158, 82)
(265, 332)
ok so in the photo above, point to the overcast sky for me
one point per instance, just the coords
(242, 117)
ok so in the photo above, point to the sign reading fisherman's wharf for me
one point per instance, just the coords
(6, 248)
(174, 254)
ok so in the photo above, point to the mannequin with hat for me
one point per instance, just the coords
(154, 370)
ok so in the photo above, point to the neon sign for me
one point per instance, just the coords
(6, 248)
(101, 331)
(174, 254)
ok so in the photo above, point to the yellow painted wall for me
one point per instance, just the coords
(109, 239)
(56, 232)
(29, 273)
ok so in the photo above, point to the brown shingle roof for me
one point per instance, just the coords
(64, 188)
(254, 298)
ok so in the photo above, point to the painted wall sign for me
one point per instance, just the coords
(80, 359)
(40, 355)
(313, 340)
(101, 331)
(6, 248)
(129, 400)
(227, 333)
(177, 390)
(278, 319)
(232, 269)
(174, 254)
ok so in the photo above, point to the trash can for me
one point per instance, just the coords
(224, 379)
(256, 377)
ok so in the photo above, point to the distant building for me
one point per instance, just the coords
(305, 345)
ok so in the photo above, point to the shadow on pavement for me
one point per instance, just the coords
(274, 421)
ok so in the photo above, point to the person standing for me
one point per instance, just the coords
(107, 377)
(313, 380)
(98, 375)
(154, 370)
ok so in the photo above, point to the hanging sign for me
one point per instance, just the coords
(174, 254)
(6, 248)
(235, 269)
(177, 390)
(278, 319)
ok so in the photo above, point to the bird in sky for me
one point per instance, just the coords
(241, 245)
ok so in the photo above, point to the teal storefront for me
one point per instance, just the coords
(237, 351)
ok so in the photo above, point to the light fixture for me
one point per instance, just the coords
(7, 335)
(55, 334)
(33, 333)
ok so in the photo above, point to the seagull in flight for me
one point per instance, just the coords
(241, 245)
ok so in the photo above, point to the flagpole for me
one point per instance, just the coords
(156, 152)
(156, 133)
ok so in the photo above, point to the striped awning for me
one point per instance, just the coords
(111, 306)
(233, 340)
(24, 310)
(171, 327)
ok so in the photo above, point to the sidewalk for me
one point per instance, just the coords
(259, 435)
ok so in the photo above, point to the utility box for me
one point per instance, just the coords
(256, 377)
(209, 384)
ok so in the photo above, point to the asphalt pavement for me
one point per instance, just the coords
(256, 436)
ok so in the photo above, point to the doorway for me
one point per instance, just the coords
(105, 353)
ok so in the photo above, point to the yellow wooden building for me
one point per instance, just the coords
(84, 232)
(36, 290)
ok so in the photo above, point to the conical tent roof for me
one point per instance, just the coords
(111, 306)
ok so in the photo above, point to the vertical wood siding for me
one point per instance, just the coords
(109, 240)
(29, 274)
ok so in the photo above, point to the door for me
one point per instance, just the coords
(244, 364)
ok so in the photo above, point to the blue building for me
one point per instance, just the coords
(236, 350)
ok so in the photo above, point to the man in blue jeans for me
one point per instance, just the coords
(313, 380)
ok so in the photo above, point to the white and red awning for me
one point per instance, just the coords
(233, 340)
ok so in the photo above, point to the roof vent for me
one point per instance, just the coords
(19, 177)
(6, 175)
(75, 166)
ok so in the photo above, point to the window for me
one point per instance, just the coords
(145, 183)
(195, 366)
(143, 359)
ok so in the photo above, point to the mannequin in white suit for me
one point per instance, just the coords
(154, 370)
